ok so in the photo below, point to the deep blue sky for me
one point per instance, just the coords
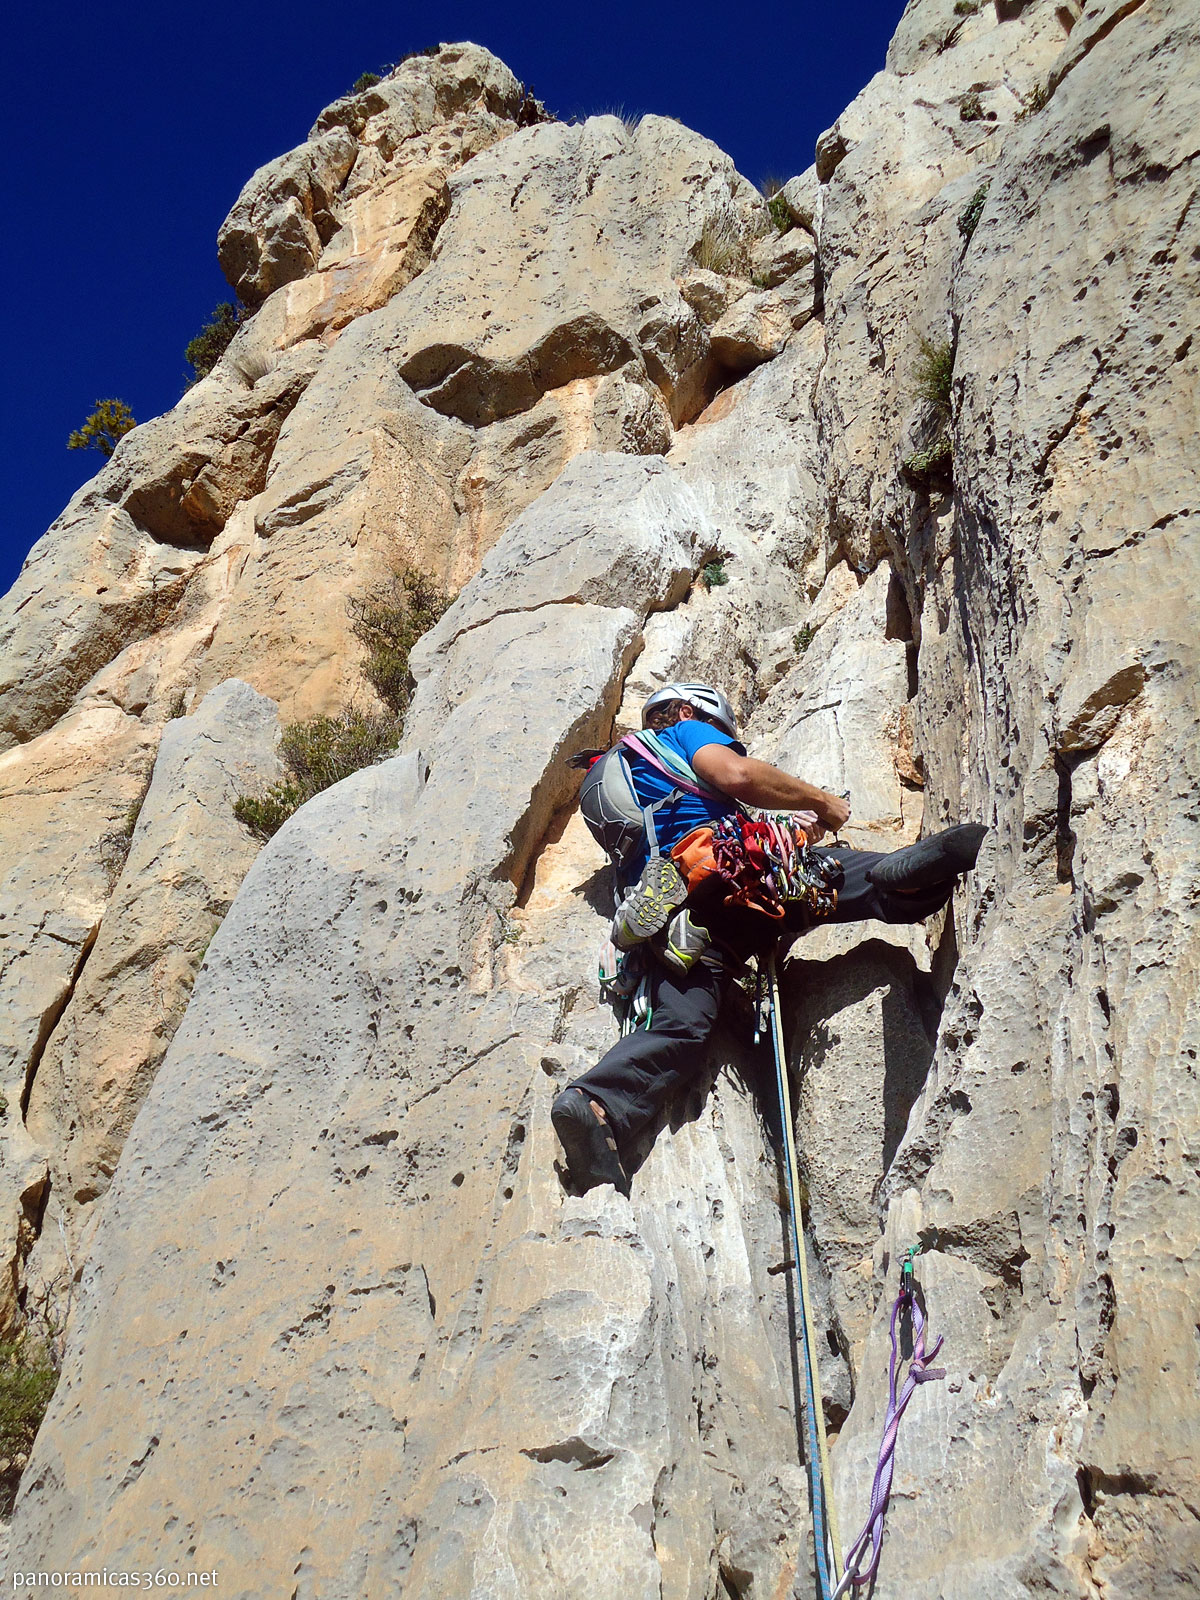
(130, 129)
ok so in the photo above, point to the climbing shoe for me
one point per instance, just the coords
(684, 942)
(589, 1144)
(931, 861)
(648, 906)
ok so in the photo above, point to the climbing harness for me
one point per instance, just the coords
(761, 861)
(757, 861)
(833, 1583)
(919, 1371)
(825, 1537)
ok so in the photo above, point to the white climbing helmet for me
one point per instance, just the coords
(701, 697)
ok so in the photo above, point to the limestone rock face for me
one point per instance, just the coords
(120, 564)
(187, 858)
(285, 215)
(226, 539)
(573, 275)
(843, 702)
(356, 200)
(62, 814)
(340, 1329)
(557, 1309)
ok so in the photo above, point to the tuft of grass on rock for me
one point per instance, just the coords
(365, 81)
(968, 217)
(721, 248)
(27, 1381)
(631, 121)
(933, 373)
(970, 107)
(713, 574)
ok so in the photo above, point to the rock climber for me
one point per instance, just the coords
(598, 1117)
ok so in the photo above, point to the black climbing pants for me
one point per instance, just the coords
(644, 1069)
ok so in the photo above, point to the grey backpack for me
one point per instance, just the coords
(618, 820)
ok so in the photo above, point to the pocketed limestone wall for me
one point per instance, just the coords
(339, 1328)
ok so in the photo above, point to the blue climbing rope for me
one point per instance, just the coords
(825, 1539)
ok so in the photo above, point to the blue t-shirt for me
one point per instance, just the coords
(686, 811)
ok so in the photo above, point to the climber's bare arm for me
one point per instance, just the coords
(758, 783)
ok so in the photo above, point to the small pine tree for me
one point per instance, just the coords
(104, 429)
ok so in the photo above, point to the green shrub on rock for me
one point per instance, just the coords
(936, 457)
(317, 754)
(968, 217)
(366, 80)
(933, 376)
(210, 344)
(934, 373)
(265, 814)
(804, 638)
(1036, 100)
(777, 208)
(389, 620)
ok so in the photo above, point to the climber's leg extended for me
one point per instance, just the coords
(931, 861)
(643, 1069)
(903, 885)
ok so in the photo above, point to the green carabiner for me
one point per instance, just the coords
(906, 1268)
